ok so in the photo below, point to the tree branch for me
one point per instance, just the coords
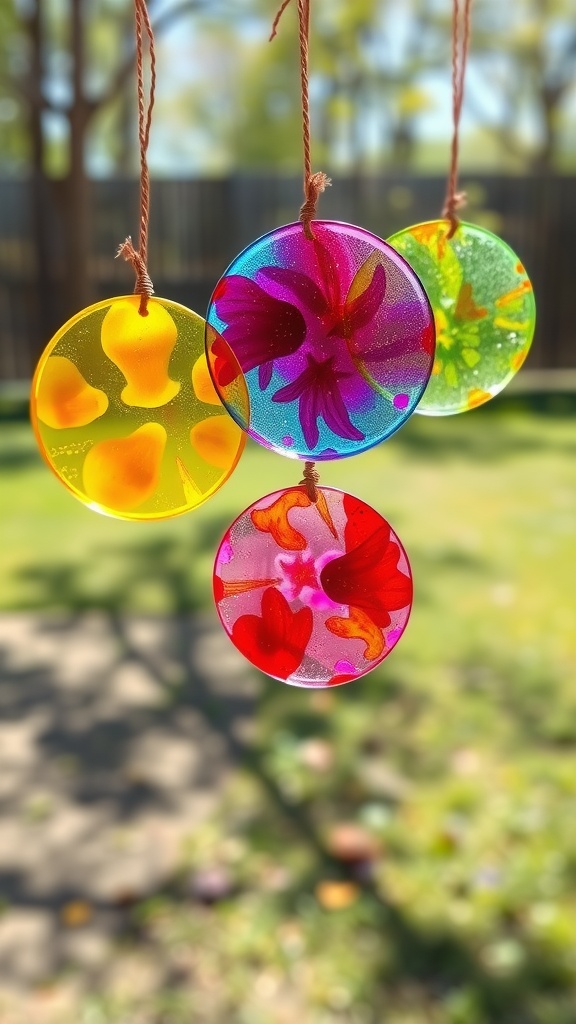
(125, 70)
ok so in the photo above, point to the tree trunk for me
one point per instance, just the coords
(78, 293)
(39, 197)
(546, 156)
(403, 145)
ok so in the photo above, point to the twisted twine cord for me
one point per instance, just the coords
(310, 481)
(143, 284)
(314, 183)
(460, 47)
(139, 257)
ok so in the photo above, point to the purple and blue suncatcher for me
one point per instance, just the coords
(333, 336)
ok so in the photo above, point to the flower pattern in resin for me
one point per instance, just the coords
(333, 336)
(312, 593)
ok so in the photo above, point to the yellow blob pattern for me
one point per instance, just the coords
(123, 472)
(141, 347)
(202, 382)
(125, 412)
(67, 400)
(215, 439)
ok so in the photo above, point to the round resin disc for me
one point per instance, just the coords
(334, 337)
(314, 594)
(126, 414)
(483, 307)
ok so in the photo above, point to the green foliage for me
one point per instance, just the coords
(270, 100)
(14, 144)
(380, 75)
(528, 51)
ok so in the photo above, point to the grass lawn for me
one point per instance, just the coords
(455, 761)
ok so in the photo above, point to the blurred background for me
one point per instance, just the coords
(183, 840)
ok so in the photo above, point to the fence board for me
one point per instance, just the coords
(198, 226)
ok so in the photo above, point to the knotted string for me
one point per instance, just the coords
(310, 479)
(139, 257)
(314, 183)
(460, 46)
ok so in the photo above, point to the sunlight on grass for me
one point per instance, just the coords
(456, 759)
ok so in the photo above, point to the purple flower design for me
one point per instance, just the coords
(318, 332)
(261, 327)
(341, 315)
(318, 394)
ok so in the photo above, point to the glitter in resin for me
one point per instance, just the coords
(484, 310)
(333, 336)
(314, 594)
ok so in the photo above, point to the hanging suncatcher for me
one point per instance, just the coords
(480, 292)
(122, 403)
(329, 332)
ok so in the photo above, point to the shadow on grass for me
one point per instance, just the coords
(436, 961)
(541, 705)
(162, 574)
(112, 578)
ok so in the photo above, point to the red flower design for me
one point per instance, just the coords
(338, 680)
(276, 641)
(367, 577)
(224, 365)
(428, 339)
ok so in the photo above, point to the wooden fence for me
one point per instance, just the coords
(197, 226)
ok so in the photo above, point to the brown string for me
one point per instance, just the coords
(460, 46)
(143, 285)
(314, 183)
(139, 257)
(310, 479)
